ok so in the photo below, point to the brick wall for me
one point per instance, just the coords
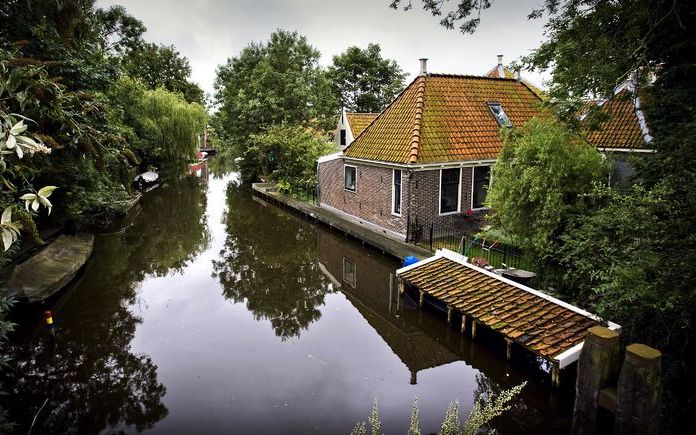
(372, 199)
(424, 205)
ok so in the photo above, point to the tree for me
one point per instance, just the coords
(363, 81)
(541, 179)
(276, 82)
(288, 154)
(162, 66)
(164, 125)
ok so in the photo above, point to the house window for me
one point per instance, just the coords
(481, 181)
(500, 115)
(349, 173)
(343, 137)
(449, 190)
(396, 192)
(349, 272)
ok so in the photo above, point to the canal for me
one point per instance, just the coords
(215, 312)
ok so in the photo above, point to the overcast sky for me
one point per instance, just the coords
(210, 31)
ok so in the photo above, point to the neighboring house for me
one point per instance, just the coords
(426, 158)
(623, 134)
(350, 125)
(502, 72)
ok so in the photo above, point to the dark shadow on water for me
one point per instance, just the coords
(89, 378)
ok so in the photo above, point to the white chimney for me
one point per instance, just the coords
(423, 66)
(500, 59)
(517, 74)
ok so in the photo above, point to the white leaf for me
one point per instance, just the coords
(45, 202)
(46, 191)
(18, 128)
(35, 204)
(11, 141)
(20, 153)
(7, 239)
(6, 216)
(28, 197)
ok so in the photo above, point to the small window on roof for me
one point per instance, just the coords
(500, 115)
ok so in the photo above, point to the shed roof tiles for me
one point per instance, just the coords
(444, 118)
(545, 325)
(622, 129)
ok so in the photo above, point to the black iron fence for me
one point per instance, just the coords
(483, 251)
(305, 192)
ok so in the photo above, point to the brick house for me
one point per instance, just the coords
(350, 125)
(426, 158)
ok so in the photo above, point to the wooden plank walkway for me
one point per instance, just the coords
(395, 248)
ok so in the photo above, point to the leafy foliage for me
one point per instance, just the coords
(288, 154)
(540, 181)
(363, 81)
(162, 66)
(272, 83)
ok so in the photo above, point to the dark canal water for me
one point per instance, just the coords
(217, 313)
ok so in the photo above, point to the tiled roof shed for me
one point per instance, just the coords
(445, 118)
(358, 122)
(549, 327)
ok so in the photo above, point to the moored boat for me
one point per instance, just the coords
(51, 269)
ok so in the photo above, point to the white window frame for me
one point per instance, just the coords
(401, 192)
(344, 178)
(355, 273)
(459, 194)
(490, 179)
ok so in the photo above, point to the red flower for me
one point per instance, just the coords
(469, 212)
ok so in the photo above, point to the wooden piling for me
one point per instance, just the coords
(598, 367)
(463, 323)
(420, 299)
(639, 392)
(508, 349)
(473, 329)
(449, 315)
(555, 376)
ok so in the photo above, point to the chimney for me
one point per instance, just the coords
(517, 74)
(500, 59)
(423, 66)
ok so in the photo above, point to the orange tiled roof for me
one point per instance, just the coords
(443, 118)
(358, 122)
(541, 325)
(622, 129)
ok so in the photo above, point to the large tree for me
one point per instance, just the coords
(279, 81)
(363, 80)
(162, 66)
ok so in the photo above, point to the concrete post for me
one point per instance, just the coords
(639, 392)
(598, 366)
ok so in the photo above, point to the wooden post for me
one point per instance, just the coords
(508, 350)
(463, 323)
(420, 299)
(555, 376)
(414, 377)
(401, 286)
(449, 315)
(473, 329)
(639, 392)
(598, 367)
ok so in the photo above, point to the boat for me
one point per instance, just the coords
(51, 269)
(146, 181)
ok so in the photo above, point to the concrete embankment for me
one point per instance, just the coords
(395, 248)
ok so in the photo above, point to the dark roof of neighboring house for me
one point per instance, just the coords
(445, 118)
(622, 129)
(358, 122)
(545, 325)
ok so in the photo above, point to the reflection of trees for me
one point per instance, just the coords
(271, 263)
(91, 378)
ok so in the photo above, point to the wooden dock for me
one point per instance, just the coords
(548, 327)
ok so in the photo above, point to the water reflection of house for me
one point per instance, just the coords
(366, 279)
